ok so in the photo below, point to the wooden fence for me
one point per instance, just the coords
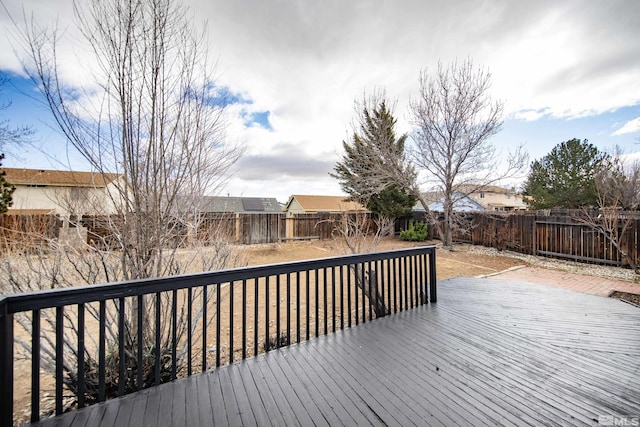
(239, 228)
(21, 232)
(558, 234)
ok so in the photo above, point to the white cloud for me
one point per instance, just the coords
(630, 127)
(305, 62)
(531, 115)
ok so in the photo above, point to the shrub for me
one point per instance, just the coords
(417, 232)
(276, 341)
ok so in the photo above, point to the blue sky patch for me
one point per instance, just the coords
(545, 133)
(224, 97)
(260, 118)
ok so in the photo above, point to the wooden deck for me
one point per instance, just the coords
(488, 352)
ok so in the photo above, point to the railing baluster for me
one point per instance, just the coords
(387, 263)
(174, 335)
(400, 280)
(418, 267)
(59, 358)
(205, 322)
(372, 284)
(342, 296)
(416, 278)
(407, 286)
(81, 377)
(325, 302)
(411, 282)
(266, 312)
(278, 311)
(355, 293)
(333, 298)
(102, 351)
(394, 267)
(426, 273)
(218, 321)
(433, 297)
(420, 261)
(244, 318)
(121, 350)
(255, 317)
(140, 338)
(35, 366)
(189, 329)
(317, 303)
(6, 367)
(298, 306)
(231, 312)
(418, 273)
(158, 329)
(363, 281)
(380, 265)
(308, 286)
(288, 308)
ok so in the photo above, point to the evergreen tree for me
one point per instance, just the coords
(374, 145)
(6, 190)
(392, 202)
(565, 178)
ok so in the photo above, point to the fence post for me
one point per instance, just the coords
(433, 295)
(6, 366)
(535, 235)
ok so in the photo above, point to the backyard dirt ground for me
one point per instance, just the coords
(456, 263)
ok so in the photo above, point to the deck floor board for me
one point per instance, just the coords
(488, 352)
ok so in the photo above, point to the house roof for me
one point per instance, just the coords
(469, 188)
(461, 203)
(30, 211)
(325, 203)
(240, 204)
(41, 177)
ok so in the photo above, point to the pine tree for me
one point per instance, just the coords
(6, 190)
(374, 146)
(565, 178)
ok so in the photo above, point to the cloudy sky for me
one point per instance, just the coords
(564, 69)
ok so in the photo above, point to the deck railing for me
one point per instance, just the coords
(112, 339)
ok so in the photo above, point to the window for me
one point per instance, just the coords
(79, 194)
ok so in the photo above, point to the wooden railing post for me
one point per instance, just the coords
(6, 366)
(433, 294)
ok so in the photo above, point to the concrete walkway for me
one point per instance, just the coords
(561, 279)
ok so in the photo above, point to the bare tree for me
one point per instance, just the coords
(154, 118)
(360, 232)
(455, 118)
(617, 184)
(151, 114)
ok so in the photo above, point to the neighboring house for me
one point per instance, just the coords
(494, 198)
(299, 203)
(244, 205)
(63, 193)
(461, 203)
(487, 198)
(243, 219)
(429, 197)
